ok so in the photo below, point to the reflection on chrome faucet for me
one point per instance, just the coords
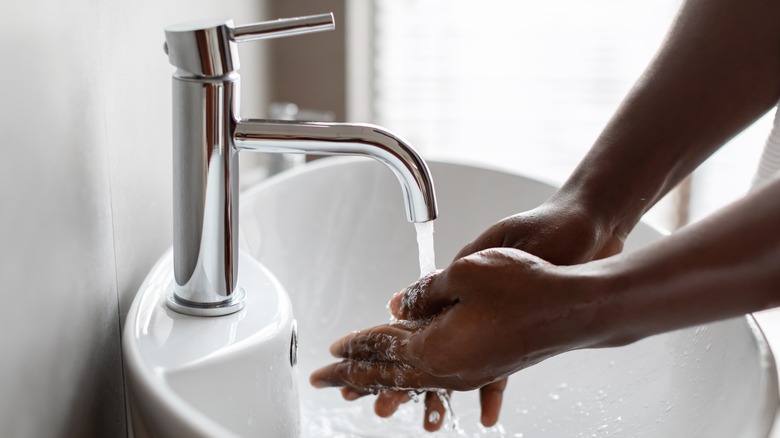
(277, 163)
(208, 133)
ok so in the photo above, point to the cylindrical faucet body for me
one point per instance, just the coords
(205, 187)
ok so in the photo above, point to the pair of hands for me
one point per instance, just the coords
(496, 309)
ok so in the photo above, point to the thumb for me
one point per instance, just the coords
(421, 300)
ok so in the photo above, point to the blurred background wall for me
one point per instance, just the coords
(85, 196)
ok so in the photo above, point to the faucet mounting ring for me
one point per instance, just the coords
(231, 305)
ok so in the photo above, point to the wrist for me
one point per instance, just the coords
(615, 194)
(600, 286)
(600, 224)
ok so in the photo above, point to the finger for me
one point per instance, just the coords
(382, 343)
(434, 411)
(423, 300)
(394, 305)
(372, 376)
(387, 402)
(351, 394)
(490, 398)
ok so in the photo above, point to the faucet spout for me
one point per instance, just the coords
(347, 139)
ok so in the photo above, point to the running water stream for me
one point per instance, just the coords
(427, 256)
(425, 248)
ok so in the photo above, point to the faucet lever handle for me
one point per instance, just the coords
(283, 27)
(207, 49)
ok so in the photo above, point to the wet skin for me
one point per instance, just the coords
(510, 296)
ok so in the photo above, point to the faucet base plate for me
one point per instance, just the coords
(232, 305)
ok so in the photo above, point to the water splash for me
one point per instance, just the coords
(453, 423)
(427, 261)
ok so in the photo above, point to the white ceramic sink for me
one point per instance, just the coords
(334, 234)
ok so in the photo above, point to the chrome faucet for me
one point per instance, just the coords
(208, 133)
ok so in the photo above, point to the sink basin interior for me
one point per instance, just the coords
(335, 235)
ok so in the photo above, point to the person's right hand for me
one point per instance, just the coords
(559, 232)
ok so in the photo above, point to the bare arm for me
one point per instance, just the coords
(718, 71)
(724, 266)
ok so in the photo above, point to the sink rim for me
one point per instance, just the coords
(768, 395)
(771, 389)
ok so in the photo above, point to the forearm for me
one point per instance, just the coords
(724, 266)
(718, 71)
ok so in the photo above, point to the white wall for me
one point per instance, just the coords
(85, 197)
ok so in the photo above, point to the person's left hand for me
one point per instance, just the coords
(388, 401)
(486, 316)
